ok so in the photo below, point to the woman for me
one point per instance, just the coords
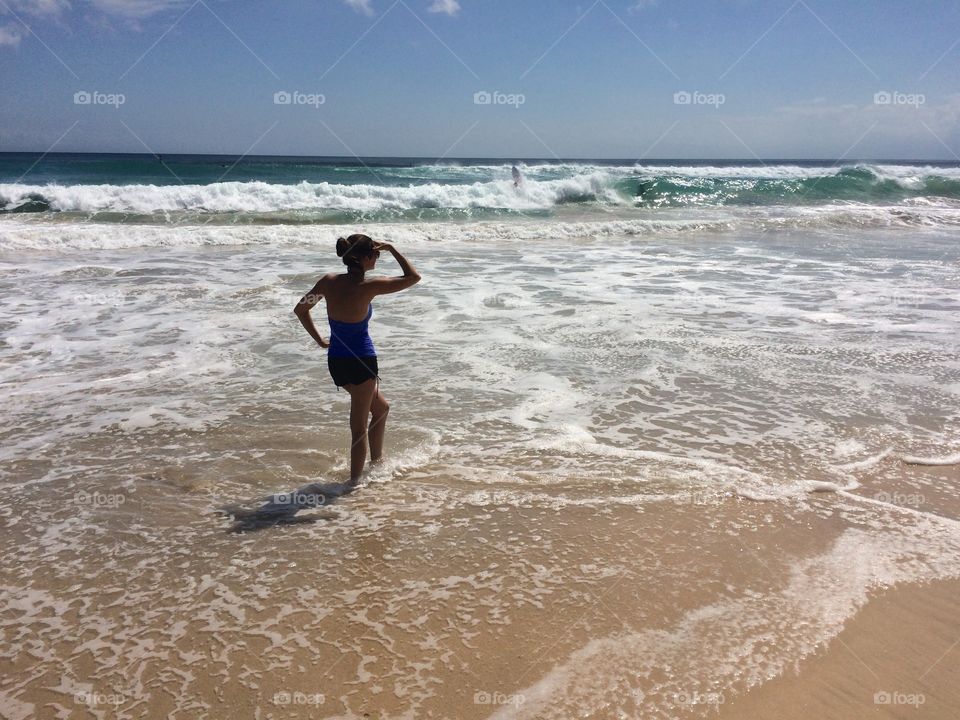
(351, 357)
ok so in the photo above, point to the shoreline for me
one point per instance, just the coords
(596, 500)
(895, 658)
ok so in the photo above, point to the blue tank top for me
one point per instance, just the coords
(351, 339)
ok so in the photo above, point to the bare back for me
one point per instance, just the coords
(348, 299)
(348, 295)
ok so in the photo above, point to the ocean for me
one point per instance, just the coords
(658, 430)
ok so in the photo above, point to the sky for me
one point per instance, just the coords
(640, 79)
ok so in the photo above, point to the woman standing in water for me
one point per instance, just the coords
(351, 357)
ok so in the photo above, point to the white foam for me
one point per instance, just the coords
(18, 232)
(262, 197)
(796, 172)
(654, 673)
(848, 447)
(943, 460)
(765, 171)
(877, 458)
(867, 462)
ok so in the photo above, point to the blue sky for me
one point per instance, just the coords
(606, 79)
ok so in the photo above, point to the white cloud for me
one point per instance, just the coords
(36, 8)
(130, 9)
(642, 5)
(361, 6)
(47, 7)
(136, 9)
(10, 36)
(447, 7)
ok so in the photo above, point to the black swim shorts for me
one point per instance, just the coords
(352, 370)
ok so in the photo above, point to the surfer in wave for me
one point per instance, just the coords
(351, 357)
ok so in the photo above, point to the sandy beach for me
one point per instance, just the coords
(537, 607)
(896, 658)
(689, 462)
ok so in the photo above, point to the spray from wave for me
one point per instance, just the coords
(444, 192)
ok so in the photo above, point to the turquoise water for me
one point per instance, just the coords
(282, 190)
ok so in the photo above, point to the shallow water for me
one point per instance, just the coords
(600, 491)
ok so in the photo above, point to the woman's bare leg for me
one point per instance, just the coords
(361, 397)
(379, 408)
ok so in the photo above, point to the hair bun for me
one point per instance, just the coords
(354, 249)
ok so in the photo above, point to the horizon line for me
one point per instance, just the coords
(506, 158)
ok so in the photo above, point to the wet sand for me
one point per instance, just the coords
(533, 603)
(597, 500)
(899, 657)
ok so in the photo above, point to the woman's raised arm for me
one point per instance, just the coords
(382, 286)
